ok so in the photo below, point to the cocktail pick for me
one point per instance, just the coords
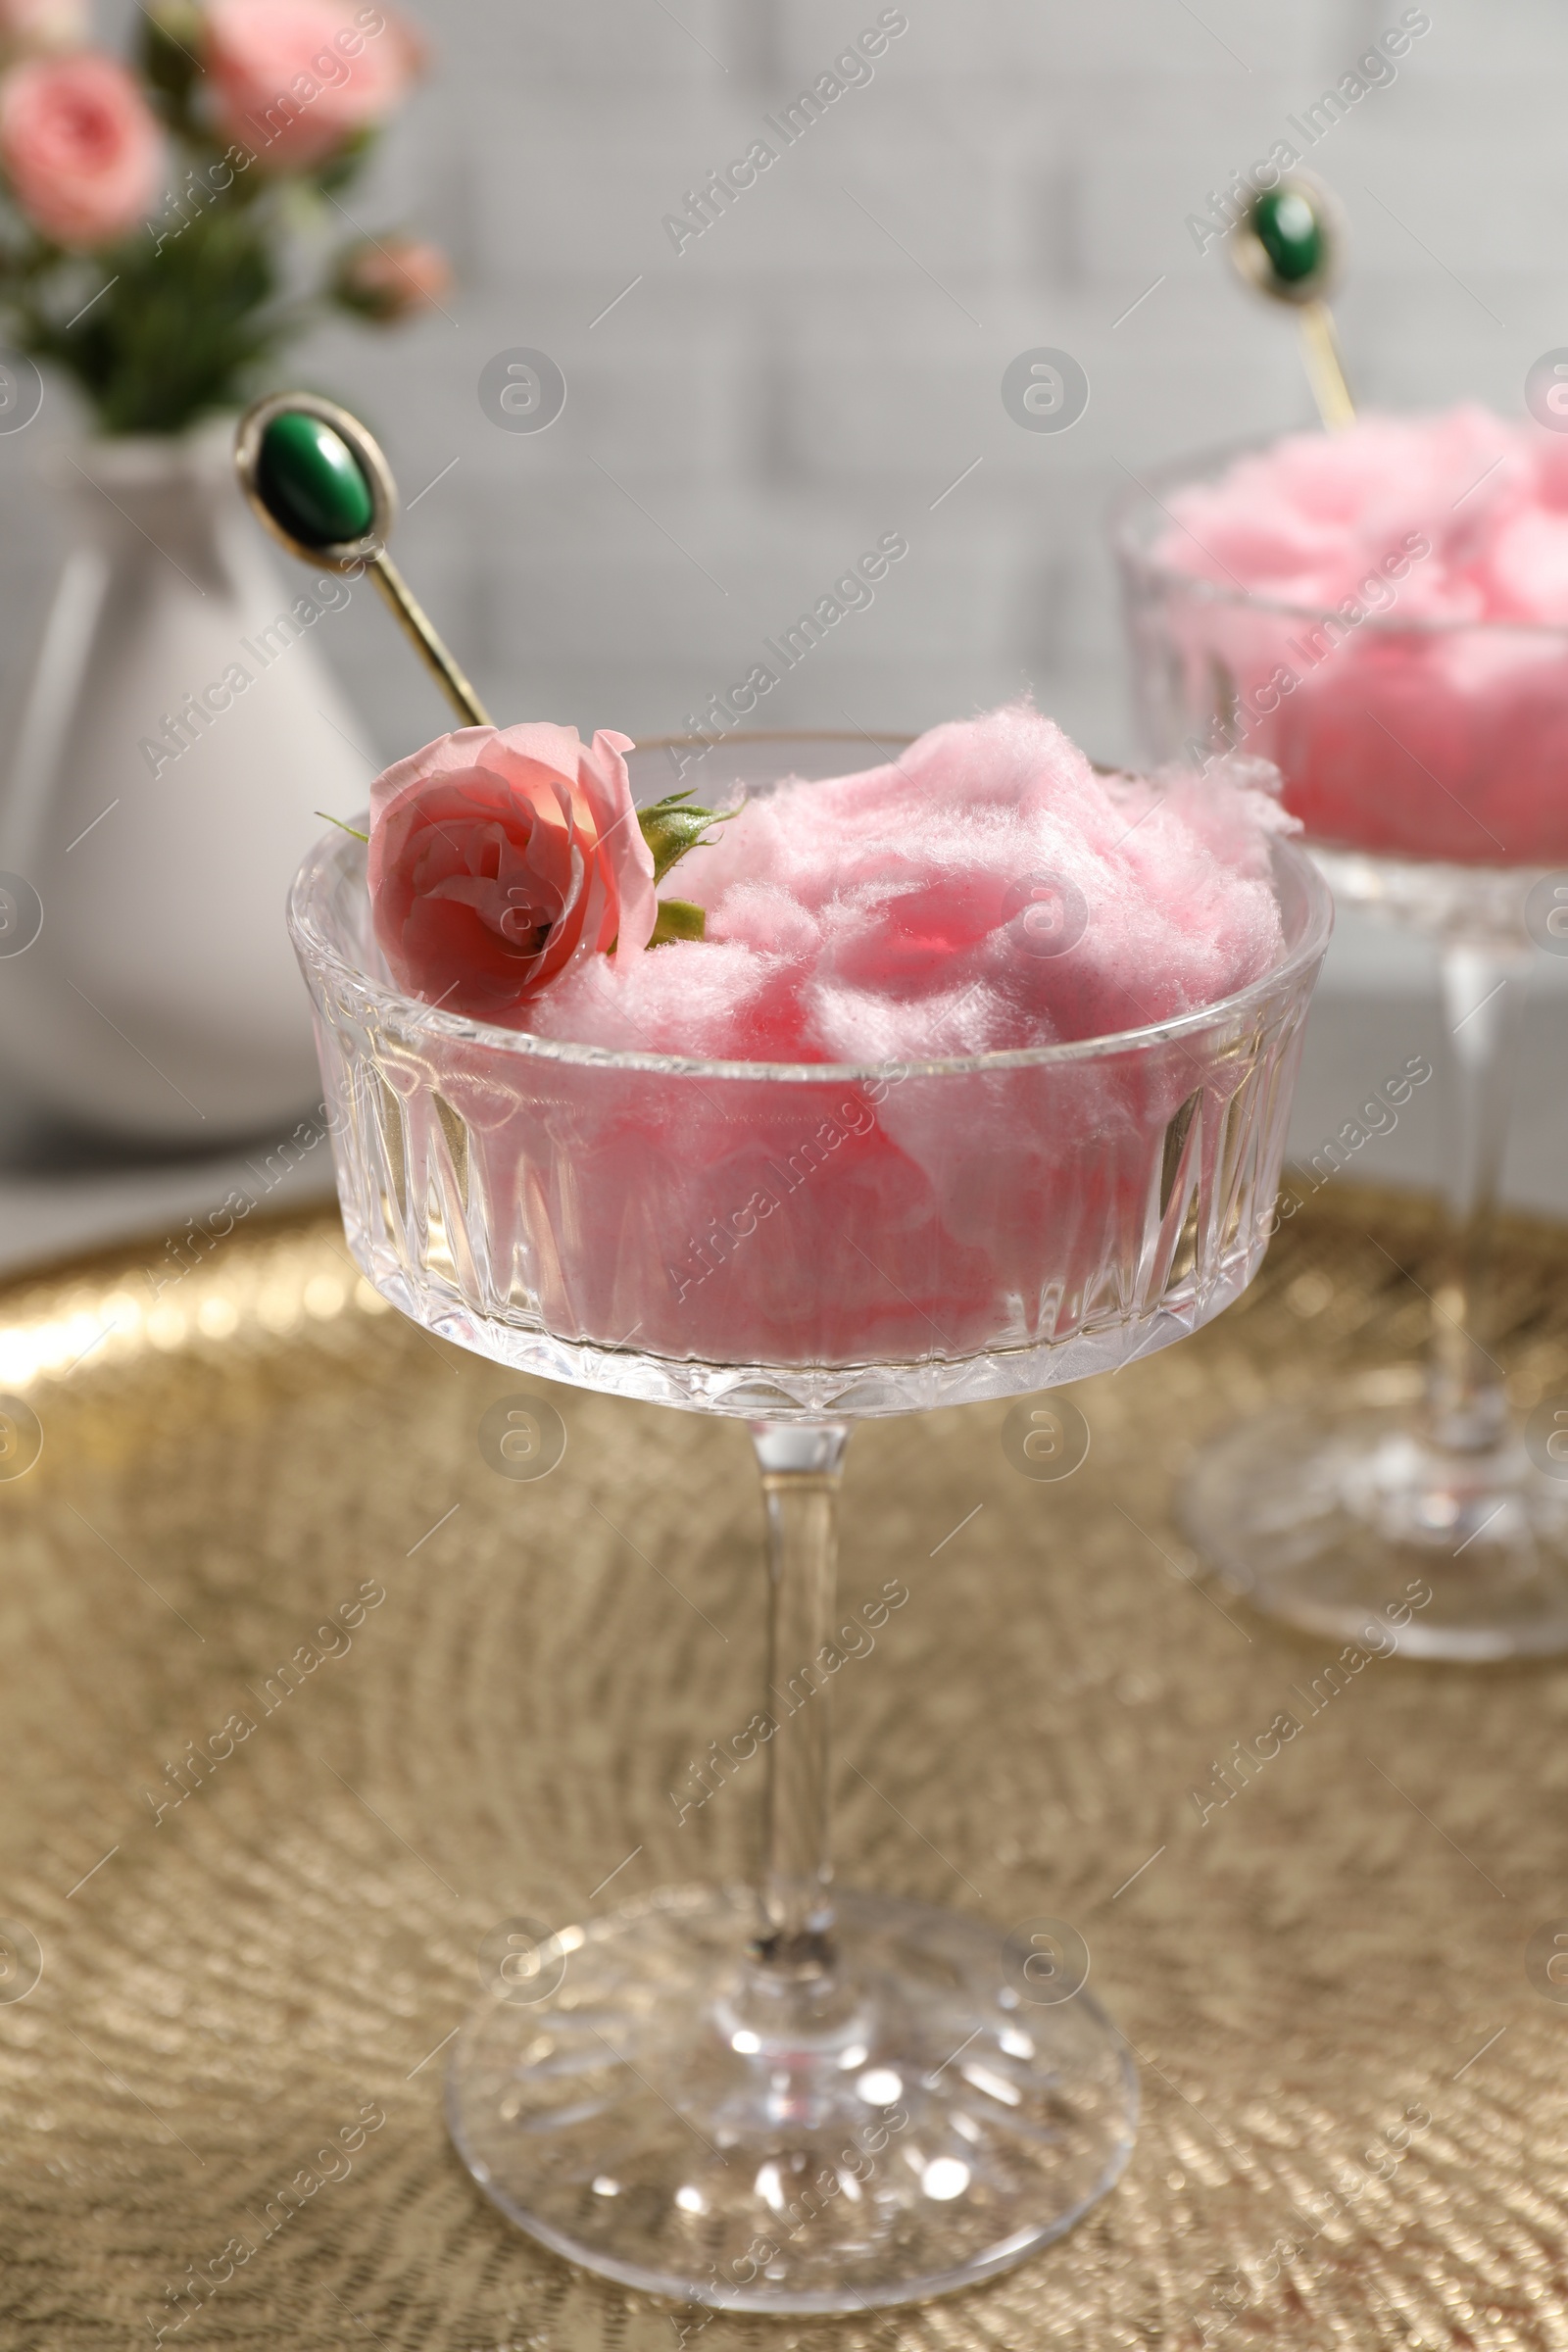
(320, 484)
(1286, 245)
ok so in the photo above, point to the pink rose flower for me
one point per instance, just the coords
(28, 27)
(79, 147)
(393, 279)
(295, 78)
(498, 855)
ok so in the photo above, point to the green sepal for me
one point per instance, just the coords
(679, 918)
(672, 826)
(342, 827)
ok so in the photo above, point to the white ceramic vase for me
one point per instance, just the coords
(181, 729)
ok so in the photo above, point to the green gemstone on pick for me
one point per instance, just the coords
(1290, 232)
(311, 483)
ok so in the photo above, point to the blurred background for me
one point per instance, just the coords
(820, 366)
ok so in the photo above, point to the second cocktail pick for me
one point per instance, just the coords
(1286, 245)
(320, 484)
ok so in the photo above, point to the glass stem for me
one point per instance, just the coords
(1482, 997)
(801, 1464)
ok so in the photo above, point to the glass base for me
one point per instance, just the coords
(680, 2118)
(1348, 1523)
(1471, 904)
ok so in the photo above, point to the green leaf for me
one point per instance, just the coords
(171, 35)
(342, 168)
(679, 918)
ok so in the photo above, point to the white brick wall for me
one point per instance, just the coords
(803, 375)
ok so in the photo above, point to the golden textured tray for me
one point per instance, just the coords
(220, 2102)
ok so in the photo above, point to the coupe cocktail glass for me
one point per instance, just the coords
(1427, 761)
(793, 2099)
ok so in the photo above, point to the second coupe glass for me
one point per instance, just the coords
(1426, 761)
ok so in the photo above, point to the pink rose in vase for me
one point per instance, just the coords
(79, 147)
(393, 278)
(498, 854)
(295, 79)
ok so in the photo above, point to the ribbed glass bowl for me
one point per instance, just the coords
(800, 1238)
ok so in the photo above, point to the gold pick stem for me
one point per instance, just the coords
(1324, 367)
(454, 685)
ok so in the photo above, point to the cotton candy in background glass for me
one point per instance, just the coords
(1414, 694)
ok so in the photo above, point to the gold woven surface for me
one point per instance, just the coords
(235, 1989)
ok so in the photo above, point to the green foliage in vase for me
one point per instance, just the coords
(180, 332)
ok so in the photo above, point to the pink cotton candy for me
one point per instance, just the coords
(1416, 699)
(888, 914)
(913, 1215)
(1315, 518)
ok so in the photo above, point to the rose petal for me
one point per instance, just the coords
(629, 859)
